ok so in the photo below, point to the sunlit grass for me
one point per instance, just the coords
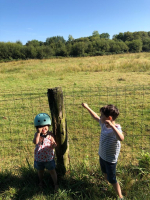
(114, 70)
(123, 80)
(80, 182)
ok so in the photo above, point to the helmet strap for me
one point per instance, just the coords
(44, 136)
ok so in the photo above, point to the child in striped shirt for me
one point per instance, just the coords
(109, 146)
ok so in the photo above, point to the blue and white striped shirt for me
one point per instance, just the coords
(109, 146)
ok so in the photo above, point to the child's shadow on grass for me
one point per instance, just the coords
(24, 185)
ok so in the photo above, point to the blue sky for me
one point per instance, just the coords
(27, 20)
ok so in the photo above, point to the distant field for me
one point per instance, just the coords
(114, 70)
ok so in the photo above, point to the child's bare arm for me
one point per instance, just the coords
(54, 145)
(92, 113)
(53, 142)
(37, 136)
(118, 133)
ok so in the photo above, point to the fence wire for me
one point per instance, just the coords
(17, 112)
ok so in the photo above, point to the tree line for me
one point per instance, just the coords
(97, 44)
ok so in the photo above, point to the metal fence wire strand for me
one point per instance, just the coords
(17, 112)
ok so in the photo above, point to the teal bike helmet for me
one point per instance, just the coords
(42, 119)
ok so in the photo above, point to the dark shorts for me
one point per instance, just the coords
(109, 169)
(50, 165)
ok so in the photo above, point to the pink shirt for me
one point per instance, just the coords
(43, 151)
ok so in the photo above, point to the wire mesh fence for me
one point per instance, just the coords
(18, 109)
(17, 113)
(84, 132)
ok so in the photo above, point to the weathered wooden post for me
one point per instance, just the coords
(56, 105)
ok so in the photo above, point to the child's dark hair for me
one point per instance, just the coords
(110, 110)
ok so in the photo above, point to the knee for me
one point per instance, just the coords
(111, 179)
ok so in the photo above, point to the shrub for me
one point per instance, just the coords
(144, 161)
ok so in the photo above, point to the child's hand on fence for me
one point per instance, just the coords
(53, 143)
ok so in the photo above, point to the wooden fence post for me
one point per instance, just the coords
(56, 105)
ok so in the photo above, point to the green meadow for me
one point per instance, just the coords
(113, 70)
(123, 80)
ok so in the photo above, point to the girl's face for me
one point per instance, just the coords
(44, 129)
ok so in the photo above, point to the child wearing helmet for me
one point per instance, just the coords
(44, 148)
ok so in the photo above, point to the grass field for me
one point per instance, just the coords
(123, 80)
(114, 70)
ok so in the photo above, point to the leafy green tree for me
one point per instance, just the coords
(70, 38)
(95, 34)
(134, 45)
(4, 51)
(78, 49)
(31, 52)
(18, 42)
(128, 36)
(136, 35)
(119, 37)
(17, 51)
(104, 45)
(34, 43)
(143, 34)
(61, 50)
(146, 44)
(114, 47)
(48, 52)
(97, 44)
(89, 50)
(9, 51)
(44, 52)
(69, 48)
(56, 43)
(39, 52)
(105, 35)
(82, 39)
(23, 52)
(123, 46)
(118, 46)
(55, 40)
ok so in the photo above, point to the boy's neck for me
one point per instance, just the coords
(113, 122)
